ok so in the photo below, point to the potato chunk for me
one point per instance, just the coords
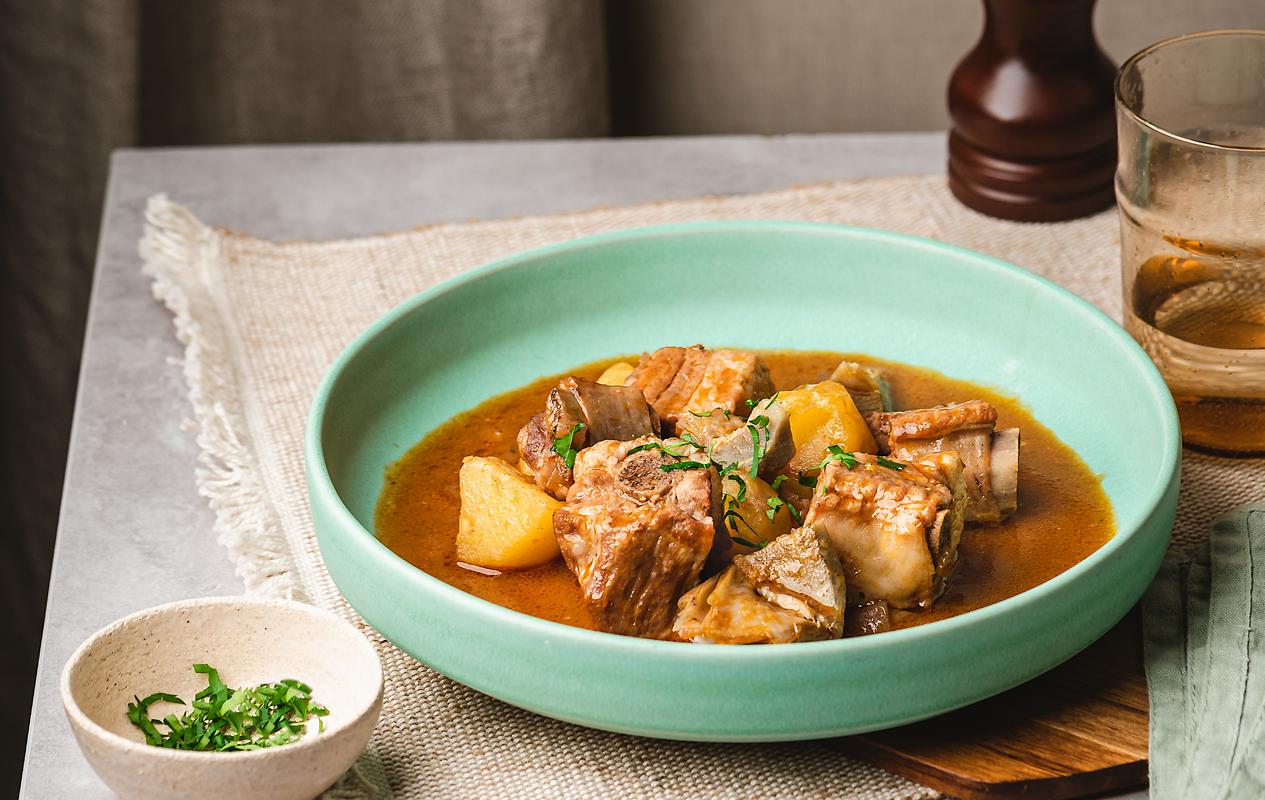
(747, 503)
(824, 414)
(616, 374)
(506, 520)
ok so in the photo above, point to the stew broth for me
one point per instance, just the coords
(1063, 513)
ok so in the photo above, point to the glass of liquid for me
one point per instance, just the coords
(1190, 186)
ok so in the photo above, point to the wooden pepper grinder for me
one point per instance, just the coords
(1034, 128)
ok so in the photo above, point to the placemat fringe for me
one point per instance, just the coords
(176, 250)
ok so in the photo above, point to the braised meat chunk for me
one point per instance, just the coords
(636, 536)
(967, 429)
(589, 412)
(792, 590)
(870, 618)
(733, 380)
(892, 526)
(608, 412)
(535, 447)
(677, 380)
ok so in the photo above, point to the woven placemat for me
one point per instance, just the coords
(261, 322)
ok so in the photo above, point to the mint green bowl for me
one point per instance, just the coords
(757, 285)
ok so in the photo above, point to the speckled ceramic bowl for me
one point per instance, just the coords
(756, 285)
(250, 641)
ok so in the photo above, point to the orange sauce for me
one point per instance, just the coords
(1063, 515)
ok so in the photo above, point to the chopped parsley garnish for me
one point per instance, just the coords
(674, 450)
(759, 445)
(563, 445)
(839, 455)
(776, 503)
(758, 427)
(225, 720)
(731, 515)
(688, 438)
(684, 465)
(733, 519)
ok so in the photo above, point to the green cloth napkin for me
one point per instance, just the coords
(1203, 632)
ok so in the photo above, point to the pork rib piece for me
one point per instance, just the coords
(635, 536)
(677, 380)
(605, 412)
(791, 590)
(991, 457)
(895, 529)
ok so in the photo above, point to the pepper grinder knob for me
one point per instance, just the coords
(1033, 114)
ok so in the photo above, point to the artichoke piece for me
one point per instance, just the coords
(865, 384)
(767, 434)
(792, 590)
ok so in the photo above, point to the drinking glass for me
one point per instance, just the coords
(1190, 184)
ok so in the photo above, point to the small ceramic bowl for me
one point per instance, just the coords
(250, 641)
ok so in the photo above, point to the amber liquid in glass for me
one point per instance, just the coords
(1190, 186)
(1201, 317)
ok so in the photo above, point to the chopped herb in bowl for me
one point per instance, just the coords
(227, 720)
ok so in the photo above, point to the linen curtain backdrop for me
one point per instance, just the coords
(79, 78)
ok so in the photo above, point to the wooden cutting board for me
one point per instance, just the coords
(1079, 729)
